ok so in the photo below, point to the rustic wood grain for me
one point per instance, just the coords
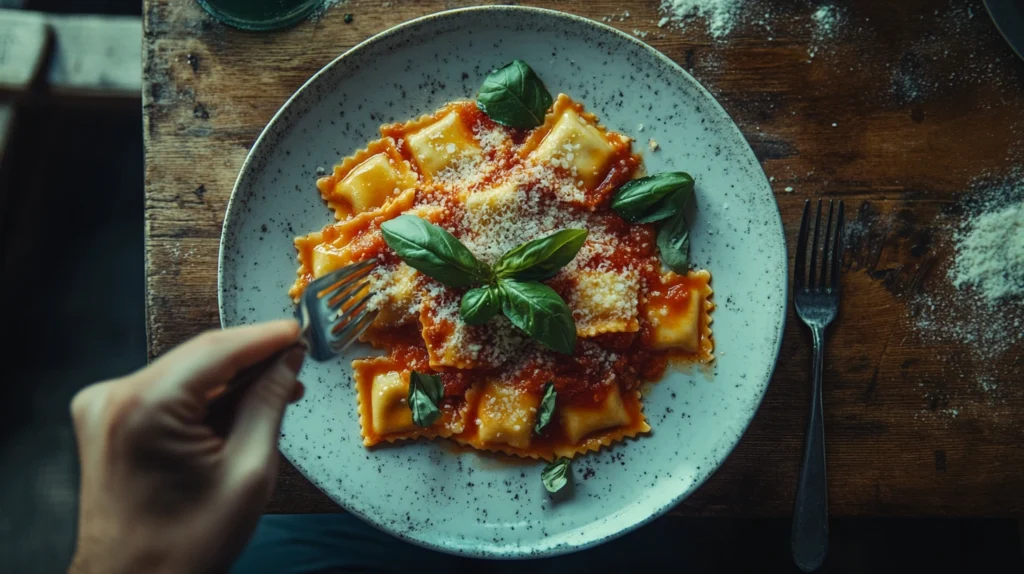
(898, 112)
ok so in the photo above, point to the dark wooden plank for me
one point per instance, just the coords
(925, 97)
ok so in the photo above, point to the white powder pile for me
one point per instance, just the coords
(825, 20)
(980, 303)
(720, 15)
(990, 254)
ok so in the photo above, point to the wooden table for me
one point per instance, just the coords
(896, 111)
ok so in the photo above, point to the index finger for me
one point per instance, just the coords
(211, 359)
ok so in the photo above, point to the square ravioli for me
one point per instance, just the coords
(679, 313)
(587, 160)
(349, 241)
(455, 148)
(442, 144)
(580, 420)
(382, 390)
(605, 302)
(367, 180)
(505, 415)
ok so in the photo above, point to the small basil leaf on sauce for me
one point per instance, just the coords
(434, 252)
(425, 392)
(539, 311)
(514, 96)
(547, 407)
(541, 258)
(555, 475)
(653, 198)
(674, 243)
(480, 304)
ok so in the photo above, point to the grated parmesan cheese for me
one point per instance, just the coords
(604, 301)
(493, 200)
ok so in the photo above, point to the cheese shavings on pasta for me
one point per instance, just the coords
(495, 188)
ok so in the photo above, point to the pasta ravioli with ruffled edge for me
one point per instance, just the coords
(494, 188)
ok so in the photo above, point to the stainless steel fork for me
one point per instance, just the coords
(816, 295)
(332, 312)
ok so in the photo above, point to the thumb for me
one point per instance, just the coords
(253, 440)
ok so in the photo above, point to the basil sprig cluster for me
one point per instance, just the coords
(511, 286)
(662, 198)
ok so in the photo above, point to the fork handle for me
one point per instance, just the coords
(810, 511)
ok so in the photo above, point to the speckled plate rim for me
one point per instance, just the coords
(517, 552)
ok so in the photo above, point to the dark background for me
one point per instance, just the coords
(71, 257)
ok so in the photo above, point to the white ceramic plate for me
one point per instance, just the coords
(482, 505)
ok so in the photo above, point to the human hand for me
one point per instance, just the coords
(161, 492)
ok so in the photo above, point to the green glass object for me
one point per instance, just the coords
(260, 14)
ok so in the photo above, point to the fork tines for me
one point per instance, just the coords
(831, 253)
(336, 309)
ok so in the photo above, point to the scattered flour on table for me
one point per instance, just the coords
(981, 301)
(988, 385)
(616, 17)
(825, 21)
(977, 302)
(957, 33)
(721, 15)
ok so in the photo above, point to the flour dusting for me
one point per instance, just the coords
(918, 75)
(825, 21)
(980, 302)
(720, 15)
(990, 254)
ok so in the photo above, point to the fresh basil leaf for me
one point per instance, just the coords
(674, 243)
(653, 198)
(555, 475)
(539, 311)
(434, 252)
(425, 392)
(480, 304)
(514, 96)
(671, 205)
(541, 258)
(547, 407)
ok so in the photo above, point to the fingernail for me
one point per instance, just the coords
(293, 359)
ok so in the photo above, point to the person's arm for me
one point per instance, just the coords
(160, 491)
